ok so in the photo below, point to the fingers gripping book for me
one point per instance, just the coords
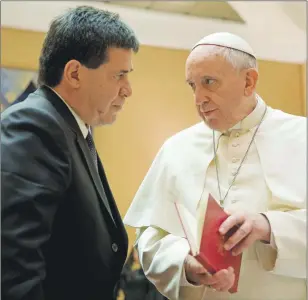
(205, 241)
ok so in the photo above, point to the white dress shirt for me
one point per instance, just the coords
(82, 125)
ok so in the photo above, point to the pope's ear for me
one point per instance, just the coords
(251, 80)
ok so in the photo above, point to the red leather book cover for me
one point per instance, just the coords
(211, 254)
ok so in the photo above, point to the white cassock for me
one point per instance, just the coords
(272, 180)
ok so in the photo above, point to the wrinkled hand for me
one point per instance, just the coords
(222, 281)
(251, 228)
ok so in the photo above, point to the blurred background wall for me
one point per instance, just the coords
(162, 103)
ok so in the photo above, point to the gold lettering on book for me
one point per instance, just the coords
(221, 249)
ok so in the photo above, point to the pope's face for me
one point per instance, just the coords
(221, 92)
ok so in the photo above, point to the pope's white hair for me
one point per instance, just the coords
(238, 59)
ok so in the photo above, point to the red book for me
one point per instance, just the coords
(206, 243)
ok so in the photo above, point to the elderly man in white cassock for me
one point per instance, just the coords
(252, 159)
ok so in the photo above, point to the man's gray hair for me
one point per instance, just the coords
(238, 59)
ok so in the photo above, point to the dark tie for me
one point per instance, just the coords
(91, 146)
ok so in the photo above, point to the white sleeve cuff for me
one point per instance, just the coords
(273, 242)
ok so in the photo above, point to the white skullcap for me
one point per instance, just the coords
(228, 40)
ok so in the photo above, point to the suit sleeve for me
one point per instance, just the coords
(162, 258)
(35, 173)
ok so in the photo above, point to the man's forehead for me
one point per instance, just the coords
(120, 58)
(203, 55)
(119, 54)
(200, 64)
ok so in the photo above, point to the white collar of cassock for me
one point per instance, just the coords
(251, 121)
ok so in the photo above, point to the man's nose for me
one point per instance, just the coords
(201, 98)
(127, 91)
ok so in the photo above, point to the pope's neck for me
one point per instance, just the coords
(247, 110)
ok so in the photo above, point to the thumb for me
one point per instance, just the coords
(228, 212)
(200, 270)
(196, 266)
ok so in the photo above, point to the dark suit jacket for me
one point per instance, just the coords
(62, 235)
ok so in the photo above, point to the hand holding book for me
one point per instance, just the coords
(207, 243)
(196, 274)
(249, 229)
(217, 240)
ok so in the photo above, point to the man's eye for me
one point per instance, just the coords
(208, 81)
(119, 76)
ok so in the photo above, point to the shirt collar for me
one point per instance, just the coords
(83, 128)
(252, 119)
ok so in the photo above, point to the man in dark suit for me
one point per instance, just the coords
(62, 235)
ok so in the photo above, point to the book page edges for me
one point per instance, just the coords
(201, 212)
(189, 225)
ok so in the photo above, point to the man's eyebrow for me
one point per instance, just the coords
(126, 71)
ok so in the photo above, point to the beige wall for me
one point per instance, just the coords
(281, 86)
(304, 88)
(161, 105)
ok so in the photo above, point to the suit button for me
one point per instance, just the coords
(114, 247)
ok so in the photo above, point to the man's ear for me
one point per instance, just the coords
(252, 76)
(72, 73)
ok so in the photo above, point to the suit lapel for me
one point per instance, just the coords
(94, 174)
(63, 110)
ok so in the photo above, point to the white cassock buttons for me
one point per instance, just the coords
(114, 247)
(237, 134)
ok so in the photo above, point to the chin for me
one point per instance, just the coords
(214, 124)
(109, 121)
(106, 119)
